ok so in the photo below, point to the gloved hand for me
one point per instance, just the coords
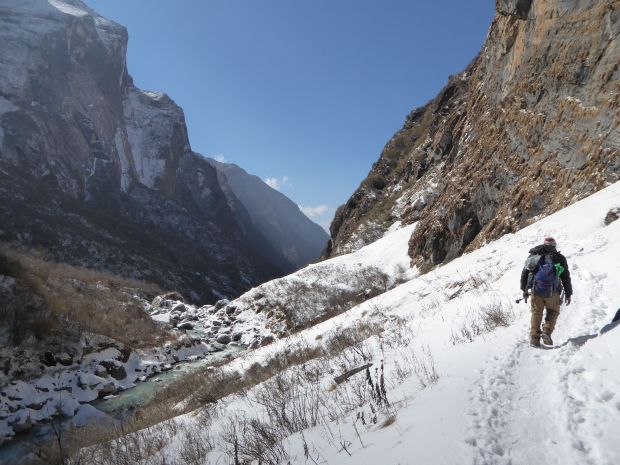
(525, 296)
(567, 300)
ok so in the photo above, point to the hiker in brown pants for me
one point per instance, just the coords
(553, 311)
(546, 275)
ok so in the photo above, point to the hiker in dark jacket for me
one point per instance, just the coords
(546, 275)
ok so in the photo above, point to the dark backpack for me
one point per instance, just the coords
(546, 281)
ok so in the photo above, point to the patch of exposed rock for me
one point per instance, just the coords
(218, 325)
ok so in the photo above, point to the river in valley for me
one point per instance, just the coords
(17, 450)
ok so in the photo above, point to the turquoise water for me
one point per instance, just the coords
(16, 451)
(144, 392)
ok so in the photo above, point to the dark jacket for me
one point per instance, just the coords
(556, 257)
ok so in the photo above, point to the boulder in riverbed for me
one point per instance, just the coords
(106, 390)
(115, 369)
(48, 359)
(181, 308)
(64, 359)
(217, 347)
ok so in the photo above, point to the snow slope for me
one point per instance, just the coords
(496, 400)
(326, 288)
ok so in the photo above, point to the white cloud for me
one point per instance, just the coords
(220, 157)
(321, 215)
(277, 183)
(313, 212)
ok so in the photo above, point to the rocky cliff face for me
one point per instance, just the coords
(101, 173)
(291, 238)
(529, 127)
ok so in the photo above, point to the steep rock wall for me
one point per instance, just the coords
(530, 126)
(100, 173)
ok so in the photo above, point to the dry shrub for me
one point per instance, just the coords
(475, 282)
(93, 301)
(467, 332)
(401, 371)
(141, 438)
(308, 303)
(424, 368)
(208, 385)
(399, 334)
(489, 318)
(495, 316)
(124, 444)
(352, 340)
(195, 445)
(253, 440)
(290, 402)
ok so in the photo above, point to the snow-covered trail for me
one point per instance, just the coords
(556, 406)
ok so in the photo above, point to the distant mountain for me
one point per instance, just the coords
(291, 238)
(98, 173)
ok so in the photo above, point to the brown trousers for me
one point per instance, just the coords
(552, 304)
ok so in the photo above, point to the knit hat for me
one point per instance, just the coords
(550, 241)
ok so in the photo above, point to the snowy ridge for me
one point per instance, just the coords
(494, 400)
(316, 290)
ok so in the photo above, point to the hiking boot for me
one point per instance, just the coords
(535, 341)
(546, 339)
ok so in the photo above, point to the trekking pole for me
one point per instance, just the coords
(518, 301)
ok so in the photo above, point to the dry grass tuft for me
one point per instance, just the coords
(93, 301)
(490, 317)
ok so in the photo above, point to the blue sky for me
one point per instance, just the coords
(303, 93)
